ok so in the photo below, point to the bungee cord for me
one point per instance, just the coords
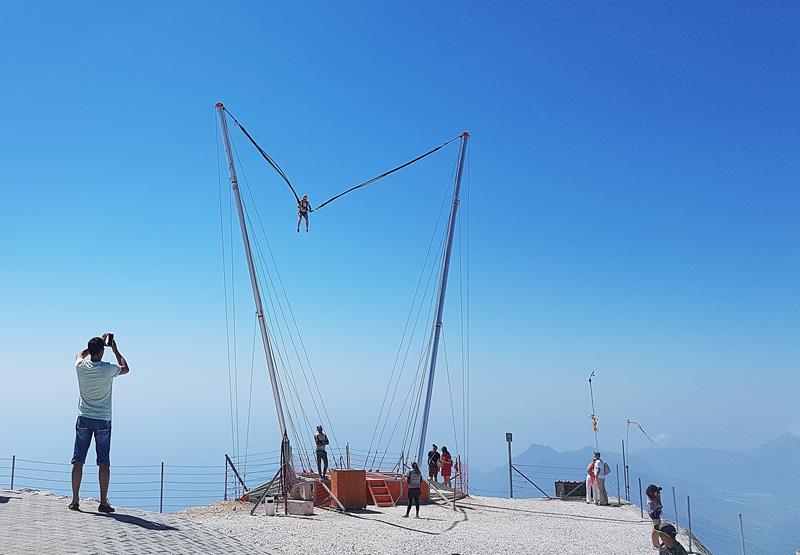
(370, 181)
(388, 173)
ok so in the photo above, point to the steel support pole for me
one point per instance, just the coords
(226, 478)
(689, 516)
(437, 323)
(223, 123)
(619, 499)
(13, 468)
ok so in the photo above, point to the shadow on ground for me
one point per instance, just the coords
(138, 521)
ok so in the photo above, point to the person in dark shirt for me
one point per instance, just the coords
(433, 463)
(303, 208)
(321, 441)
(669, 545)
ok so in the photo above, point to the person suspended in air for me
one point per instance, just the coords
(303, 208)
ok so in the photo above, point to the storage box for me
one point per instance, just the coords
(571, 489)
(349, 487)
(301, 508)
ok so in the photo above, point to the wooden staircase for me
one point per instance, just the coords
(379, 492)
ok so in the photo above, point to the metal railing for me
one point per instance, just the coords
(162, 487)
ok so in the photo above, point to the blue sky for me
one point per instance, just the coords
(633, 208)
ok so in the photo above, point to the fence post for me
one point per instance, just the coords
(161, 498)
(226, 479)
(741, 530)
(689, 516)
(619, 499)
(625, 480)
(641, 501)
(675, 505)
(347, 450)
(510, 476)
(13, 467)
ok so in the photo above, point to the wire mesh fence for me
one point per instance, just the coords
(154, 487)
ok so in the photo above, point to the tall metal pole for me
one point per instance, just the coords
(594, 414)
(223, 123)
(437, 322)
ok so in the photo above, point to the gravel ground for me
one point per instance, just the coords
(480, 525)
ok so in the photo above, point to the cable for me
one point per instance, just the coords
(385, 174)
(266, 156)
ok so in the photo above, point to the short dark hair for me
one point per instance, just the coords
(96, 346)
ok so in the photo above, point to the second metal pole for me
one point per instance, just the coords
(437, 323)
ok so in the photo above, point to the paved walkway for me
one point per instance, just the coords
(41, 523)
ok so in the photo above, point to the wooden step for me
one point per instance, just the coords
(379, 491)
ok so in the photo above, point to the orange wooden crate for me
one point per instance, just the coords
(350, 488)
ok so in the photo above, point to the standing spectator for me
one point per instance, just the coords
(446, 463)
(601, 470)
(321, 441)
(95, 379)
(654, 509)
(669, 545)
(414, 480)
(433, 464)
(590, 482)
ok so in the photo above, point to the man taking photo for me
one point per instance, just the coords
(95, 379)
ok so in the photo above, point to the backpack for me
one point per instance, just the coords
(606, 469)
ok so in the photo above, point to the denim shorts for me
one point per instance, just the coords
(85, 428)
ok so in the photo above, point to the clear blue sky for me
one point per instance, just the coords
(633, 209)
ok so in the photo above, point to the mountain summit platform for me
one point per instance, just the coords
(478, 526)
(33, 522)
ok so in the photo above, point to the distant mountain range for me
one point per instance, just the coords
(760, 484)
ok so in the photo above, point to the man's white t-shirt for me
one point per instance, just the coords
(94, 381)
(599, 468)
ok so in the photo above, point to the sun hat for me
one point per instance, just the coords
(667, 529)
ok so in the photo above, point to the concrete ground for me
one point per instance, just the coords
(32, 522)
